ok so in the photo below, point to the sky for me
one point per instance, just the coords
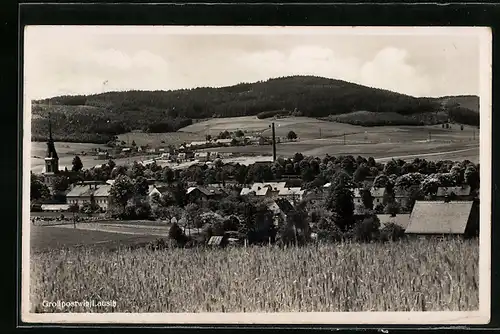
(70, 60)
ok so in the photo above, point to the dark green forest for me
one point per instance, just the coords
(100, 117)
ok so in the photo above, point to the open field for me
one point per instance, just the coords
(52, 238)
(379, 142)
(417, 275)
(312, 128)
(430, 151)
(304, 127)
(161, 139)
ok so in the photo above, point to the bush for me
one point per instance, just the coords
(175, 233)
(366, 230)
(392, 232)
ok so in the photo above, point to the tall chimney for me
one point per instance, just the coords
(274, 142)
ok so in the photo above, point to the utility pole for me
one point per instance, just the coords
(274, 142)
(429, 136)
(344, 138)
(320, 132)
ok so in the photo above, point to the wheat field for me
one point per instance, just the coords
(418, 275)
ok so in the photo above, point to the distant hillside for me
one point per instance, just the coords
(98, 118)
(465, 101)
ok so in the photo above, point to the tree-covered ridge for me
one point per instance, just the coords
(161, 111)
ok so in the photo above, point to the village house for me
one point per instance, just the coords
(291, 193)
(157, 190)
(377, 194)
(201, 156)
(101, 196)
(165, 156)
(455, 193)
(181, 157)
(87, 191)
(214, 155)
(203, 194)
(257, 189)
(102, 155)
(226, 154)
(280, 209)
(444, 218)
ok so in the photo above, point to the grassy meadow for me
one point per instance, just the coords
(413, 275)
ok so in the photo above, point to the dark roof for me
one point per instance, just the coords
(284, 205)
(459, 191)
(432, 217)
(211, 191)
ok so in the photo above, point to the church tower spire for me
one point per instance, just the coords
(51, 158)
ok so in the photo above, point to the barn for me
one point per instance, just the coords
(430, 218)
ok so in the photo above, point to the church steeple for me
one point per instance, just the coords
(51, 158)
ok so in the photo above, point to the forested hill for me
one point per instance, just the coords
(107, 114)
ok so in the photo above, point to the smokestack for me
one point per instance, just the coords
(274, 142)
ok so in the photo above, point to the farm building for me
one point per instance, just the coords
(400, 219)
(455, 193)
(202, 194)
(55, 207)
(444, 218)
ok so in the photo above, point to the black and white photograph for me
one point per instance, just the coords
(211, 174)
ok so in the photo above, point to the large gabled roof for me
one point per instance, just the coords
(433, 217)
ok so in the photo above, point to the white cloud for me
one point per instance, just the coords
(63, 60)
(390, 70)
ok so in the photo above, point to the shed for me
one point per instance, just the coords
(217, 241)
(444, 218)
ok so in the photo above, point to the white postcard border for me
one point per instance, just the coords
(482, 316)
